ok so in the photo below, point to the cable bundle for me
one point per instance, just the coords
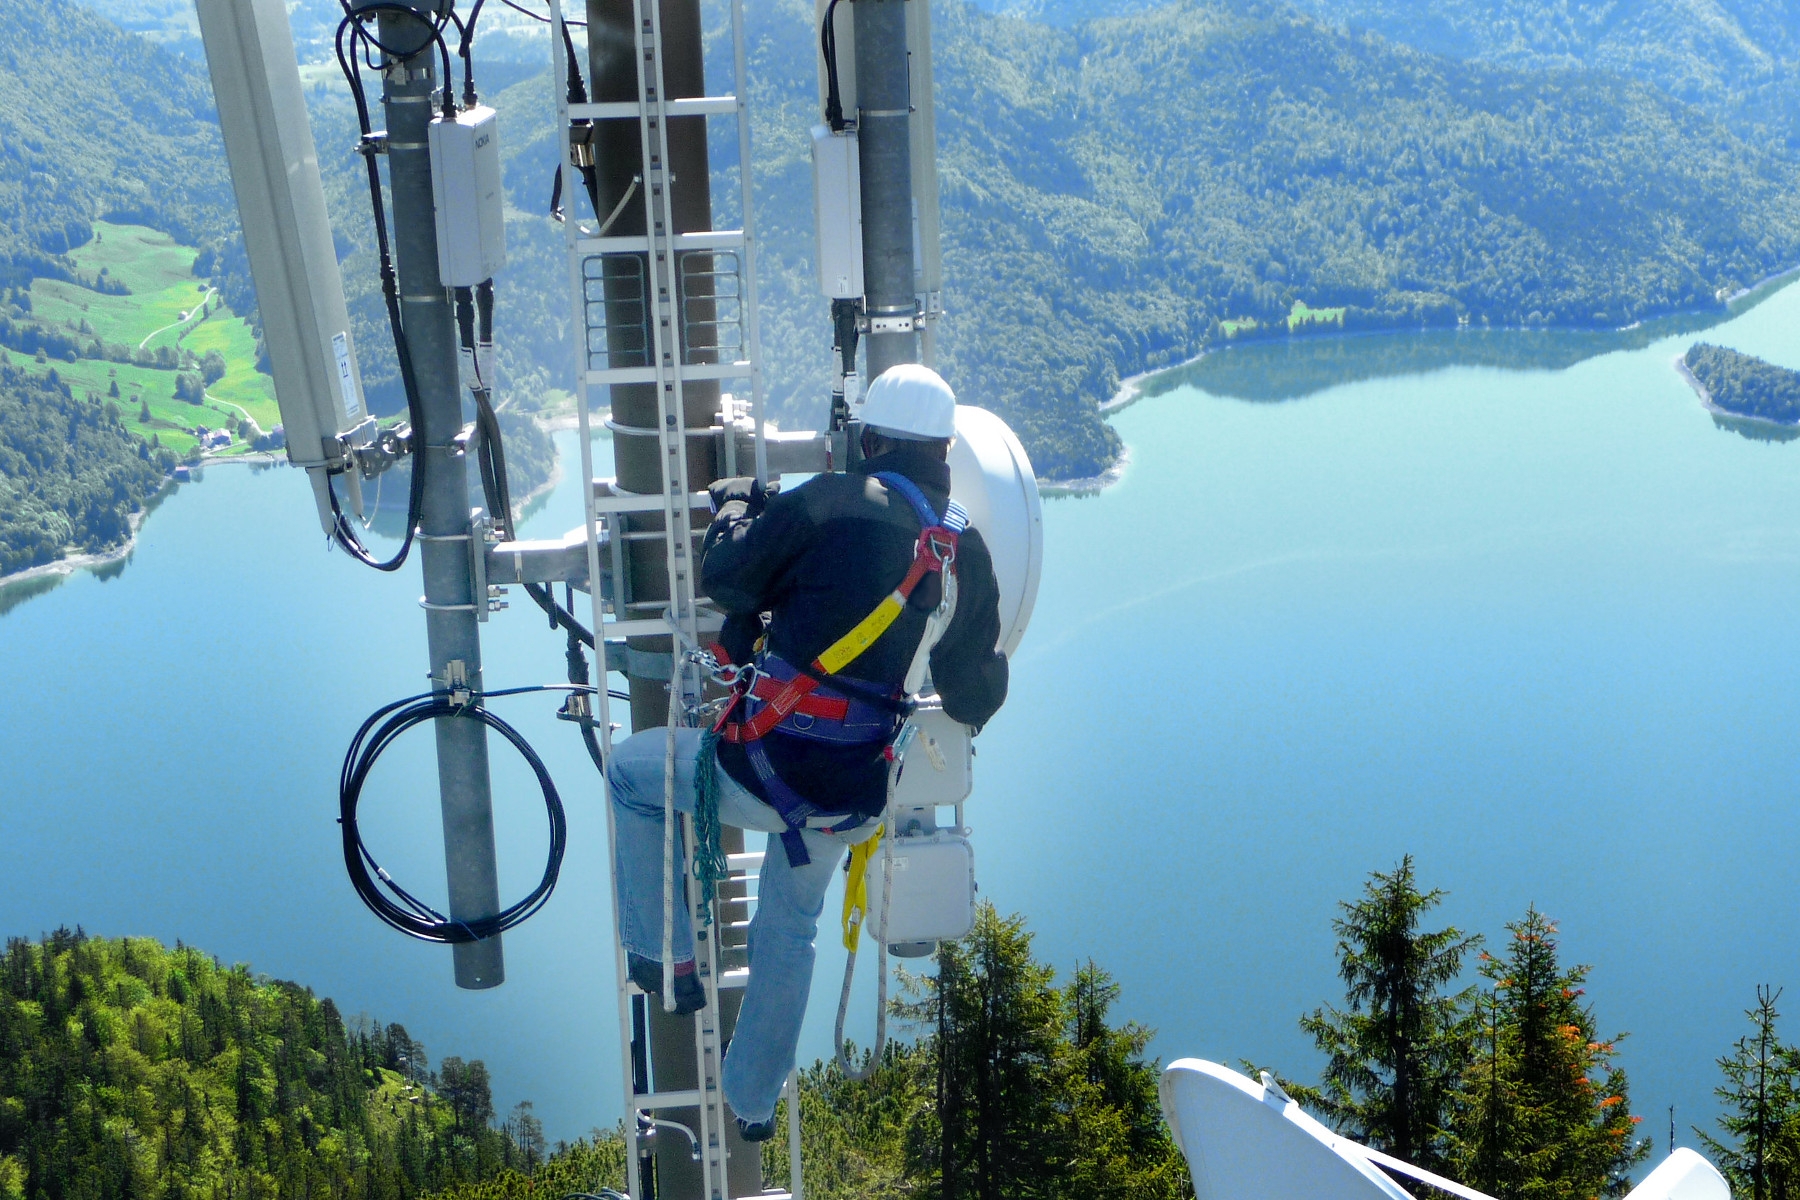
(402, 910)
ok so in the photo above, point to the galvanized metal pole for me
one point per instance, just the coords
(884, 132)
(445, 527)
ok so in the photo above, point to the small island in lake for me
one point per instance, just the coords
(1742, 385)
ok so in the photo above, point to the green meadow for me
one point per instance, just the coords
(166, 306)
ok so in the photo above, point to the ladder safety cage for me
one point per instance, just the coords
(655, 290)
(612, 285)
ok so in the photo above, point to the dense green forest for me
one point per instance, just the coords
(72, 471)
(128, 1069)
(131, 1070)
(1745, 385)
(1738, 59)
(156, 160)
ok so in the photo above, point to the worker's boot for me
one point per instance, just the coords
(756, 1131)
(690, 997)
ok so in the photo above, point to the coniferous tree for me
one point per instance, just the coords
(1396, 1058)
(1762, 1097)
(1016, 1088)
(997, 1021)
(1543, 1114)
(1117, 1142)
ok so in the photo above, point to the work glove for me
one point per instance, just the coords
(744, 488)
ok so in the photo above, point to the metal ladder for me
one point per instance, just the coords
(668, 364)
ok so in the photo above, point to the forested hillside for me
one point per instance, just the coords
(98, 123)
(72, 472)
(1114, 191)
(1739, 59)
(1122, 193)
(130, 1070)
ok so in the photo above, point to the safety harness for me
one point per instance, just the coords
(820, 703)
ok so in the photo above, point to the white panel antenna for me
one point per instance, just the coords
(287, 233)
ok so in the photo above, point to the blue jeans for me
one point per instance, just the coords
(788, 902)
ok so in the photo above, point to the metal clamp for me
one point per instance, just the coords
(906, 324)
(455, 680)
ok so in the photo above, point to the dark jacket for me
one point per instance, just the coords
(818, 560)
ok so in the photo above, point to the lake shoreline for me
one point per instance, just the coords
(69, 564)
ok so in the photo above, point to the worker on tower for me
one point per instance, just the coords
(852, 572)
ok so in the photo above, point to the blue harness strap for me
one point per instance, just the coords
(955, 518)
(788, 804)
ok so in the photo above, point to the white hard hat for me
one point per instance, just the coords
(912, 403)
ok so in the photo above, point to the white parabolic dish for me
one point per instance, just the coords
(1248, 1141)
(992, 479)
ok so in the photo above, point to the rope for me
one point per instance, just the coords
(668, 937)
(710, 864)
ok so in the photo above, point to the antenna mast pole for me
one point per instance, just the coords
(446, 528)
(884, 131)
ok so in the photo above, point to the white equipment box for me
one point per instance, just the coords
(471, 208)
(837, 211)
(936, 771)
(933, 891)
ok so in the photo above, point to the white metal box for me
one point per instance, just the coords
(933, 893)
(471, 207)
(837, 212)
(936, 770)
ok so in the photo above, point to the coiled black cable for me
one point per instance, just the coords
(402, 910)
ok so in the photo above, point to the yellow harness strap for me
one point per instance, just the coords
(849, 648)
(856, 890)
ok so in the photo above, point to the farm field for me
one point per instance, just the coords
(167, 308)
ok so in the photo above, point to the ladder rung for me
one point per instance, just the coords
(735, 978)
(687, 1099)
(630, 110)
(714, 239)
(687, 371)
(746, 860)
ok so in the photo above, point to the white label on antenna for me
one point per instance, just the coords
(340, 346)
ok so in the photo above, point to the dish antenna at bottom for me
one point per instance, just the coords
(1250, 1141)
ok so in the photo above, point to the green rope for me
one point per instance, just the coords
(710, 866)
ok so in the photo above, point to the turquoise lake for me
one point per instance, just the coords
(1511, 603)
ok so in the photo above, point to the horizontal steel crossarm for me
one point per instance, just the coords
(557, 560)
